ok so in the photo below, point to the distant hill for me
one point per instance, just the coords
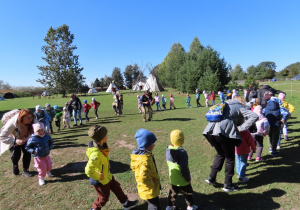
(291, 70)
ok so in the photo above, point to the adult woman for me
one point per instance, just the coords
(76, 106)
(224, 136)
(15, 134)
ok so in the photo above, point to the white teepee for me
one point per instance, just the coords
(92, 90)
(1, 98)
(110, 87)
(152, 85)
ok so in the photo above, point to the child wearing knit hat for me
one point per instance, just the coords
(290, 108)
(179, 173)
(98, 170)
(144, 168)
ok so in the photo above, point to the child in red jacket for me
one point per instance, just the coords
(86, 107)
(241, 154)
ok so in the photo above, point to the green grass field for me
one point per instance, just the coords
(274, 183)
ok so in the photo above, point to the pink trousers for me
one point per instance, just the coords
(43, 165)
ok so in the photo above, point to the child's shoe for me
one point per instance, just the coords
(194, 207)
(96, 118)
(274, 153)
(258, 159)
(49, 174)
(130, 204)
(278, 147)
(26, 173)
(16, 170)
(243, 180)
(286, 137)
(211, 181)
(41, 181)
(230, 189)
(270, 150)
(171, 207)
(249, 158)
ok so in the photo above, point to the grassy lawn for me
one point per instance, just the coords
(274, 183)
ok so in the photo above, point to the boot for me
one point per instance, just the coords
(26, 173)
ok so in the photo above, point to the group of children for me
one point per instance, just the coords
(144, 168)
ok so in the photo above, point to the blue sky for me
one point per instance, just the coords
(118, 33)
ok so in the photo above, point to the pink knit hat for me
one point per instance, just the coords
(257, 110)
(38, 126)
(281, 96)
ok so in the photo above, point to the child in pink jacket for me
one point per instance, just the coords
(241, 154)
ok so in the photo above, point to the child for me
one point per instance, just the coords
(290, 108)
(188, 101)
(172, 101)
(221, 95)
(58, 115)
(234, 93)
(50, 111)
(98, 170)
(179, 172)
(198, 98)
(241, 154)
(212, 97)
(121, 104)
(66, 117)
(139, 104)
(87, 108)
(40, 145)
(206, 96)
(95, 104)
(40, 114)
(262, 129)
(229, 95)
(164, 101)
(144, 168)
(157, 100)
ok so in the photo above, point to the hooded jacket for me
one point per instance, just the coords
(97, 164)
(272, 113)
(42, 145)
(236, 118)
(177, 160)
(146, 175)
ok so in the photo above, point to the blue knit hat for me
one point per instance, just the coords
(144, 138)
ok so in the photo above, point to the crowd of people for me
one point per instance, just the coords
(236, 137)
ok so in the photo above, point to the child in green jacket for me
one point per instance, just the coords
(97, 169)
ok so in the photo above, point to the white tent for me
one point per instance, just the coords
(92, 90)
(1, 98)
(46, 93)
(152, 85)
(138, 86)
(110, 87)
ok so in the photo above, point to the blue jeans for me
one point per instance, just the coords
(157, 106)
(241, 164)
(77, 112)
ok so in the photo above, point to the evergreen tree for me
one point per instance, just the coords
(63, 71)
(96, 83)
(117, 77)
(210, 81)
(128, 75)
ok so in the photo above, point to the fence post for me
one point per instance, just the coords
(291, 89)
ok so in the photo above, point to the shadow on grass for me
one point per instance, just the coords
(176, 119)
(118, 167)
(223, 200)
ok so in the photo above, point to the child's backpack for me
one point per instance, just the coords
(8, 115)
(215, 113)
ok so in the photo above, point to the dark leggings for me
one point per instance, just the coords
(86, 115)
(96, 112)
(259, 141)
(198, 103)
(154, 204)
(16, 155)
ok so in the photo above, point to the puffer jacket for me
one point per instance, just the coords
(177, 160)
(97, 164)
(42, 145)
(146, 175)
(41, 117)
(289, 107)
(236, 118)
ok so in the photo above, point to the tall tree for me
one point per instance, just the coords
(63, 71)
(210, 81)
(195, 46)
(117, 77)
(128, 75)
(237, 73)
(96, 83)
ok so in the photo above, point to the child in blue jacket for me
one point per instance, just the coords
(188, 101)
(40, 145)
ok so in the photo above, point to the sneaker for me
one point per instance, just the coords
(274, 154)
(75, 125)
(149, 119)
(16, 170)
(49, 174)
(194, 207)
(81, 124)
(270, 150)
(26, 173)
(96, 118)
(144, 120)
(171, 207)
(286, 137)
(41, 181)
(230, 189)
(278, 147)
(243, 180)
(258, 159)
(249, 158)
(130, 204)
(210, 181)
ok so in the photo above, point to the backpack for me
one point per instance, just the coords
(8, 115)
(215, 113)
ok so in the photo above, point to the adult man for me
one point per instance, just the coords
(145, 101)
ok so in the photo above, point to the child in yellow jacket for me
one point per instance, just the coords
(290, 108)
(97, 169)
(144, 168)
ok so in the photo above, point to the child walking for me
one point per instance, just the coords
(206, 96)
(98, 170)
(51, 112)
(157, 100)
(95, 104)
(144, 168)
(188, 101)
(139, 104)
(39, 145)
(290, 108)
(172, 101)
(262, 129)
(198, 98)
(212, 97)
(58, 115)
(87, 108)
(164, 101)
(179, 173)
(66, 117)
(241, 154)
